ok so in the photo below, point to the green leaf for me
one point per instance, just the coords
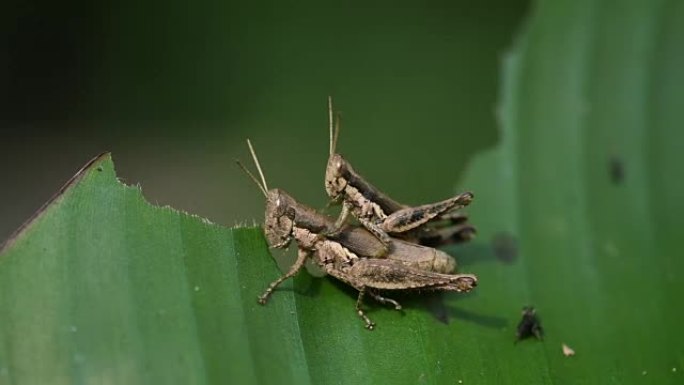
(102, 287)
(586, 180)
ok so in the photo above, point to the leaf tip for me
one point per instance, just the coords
(94, 164)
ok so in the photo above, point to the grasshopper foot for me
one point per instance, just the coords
(264, 297)
(369, 324)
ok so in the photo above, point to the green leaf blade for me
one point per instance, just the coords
(102, 286)
(577, 105)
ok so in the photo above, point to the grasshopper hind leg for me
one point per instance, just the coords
(413, 217)
(359, 301)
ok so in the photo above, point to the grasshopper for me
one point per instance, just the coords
(350, 255)
(430, 224)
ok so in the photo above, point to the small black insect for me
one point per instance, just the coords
(529, 325)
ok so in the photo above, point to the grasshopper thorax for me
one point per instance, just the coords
(335, 176)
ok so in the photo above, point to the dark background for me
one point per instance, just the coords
(174, 88)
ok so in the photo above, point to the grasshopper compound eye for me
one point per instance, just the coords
(337, 166)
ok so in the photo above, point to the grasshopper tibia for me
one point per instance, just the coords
(359, 301)
(384, 300)
(449, 228)
(370, 325)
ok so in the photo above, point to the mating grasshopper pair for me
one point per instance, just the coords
(366, 258)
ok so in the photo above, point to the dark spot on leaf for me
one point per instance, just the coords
(435, 303)
(484, 320)
(505, 247)
(616, 170)
(99, 168)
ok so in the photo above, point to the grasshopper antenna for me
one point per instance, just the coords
(258, 166)
(334, 126)
(254, 179)
(330, 125)
(262, 186)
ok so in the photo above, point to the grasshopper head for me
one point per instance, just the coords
(279, 221)
(335, 176)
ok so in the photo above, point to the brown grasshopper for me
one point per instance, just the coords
(430, 224)
(350, 254)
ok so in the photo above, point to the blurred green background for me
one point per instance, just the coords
(174, 88)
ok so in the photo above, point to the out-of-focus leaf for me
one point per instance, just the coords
(103, 288)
